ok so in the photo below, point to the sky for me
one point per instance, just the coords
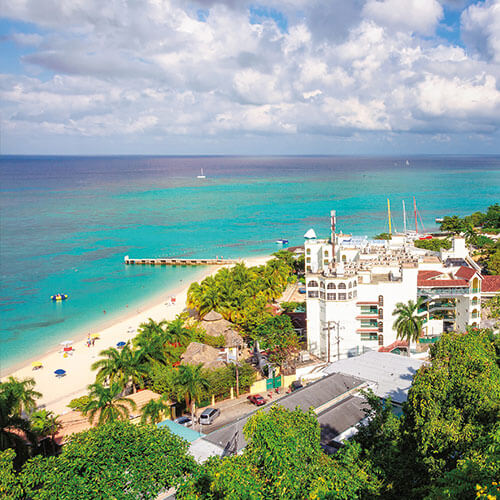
(363, 77)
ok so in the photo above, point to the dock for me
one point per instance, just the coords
(168, 261)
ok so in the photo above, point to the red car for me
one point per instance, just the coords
(257, 400)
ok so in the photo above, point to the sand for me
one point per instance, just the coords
(57, 392)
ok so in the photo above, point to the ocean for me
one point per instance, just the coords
(66, 223)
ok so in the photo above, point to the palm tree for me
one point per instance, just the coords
(44, 424)
(176, 331)
(194, 296)
(136, 369)
(12, 424)
(108, 404)
(150, 332)
(408, 324)
(24, 394)
(191, 384)
(154, 410)
(113, 366)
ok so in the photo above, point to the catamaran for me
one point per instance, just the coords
(201, 176)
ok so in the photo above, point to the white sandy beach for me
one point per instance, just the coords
(58, 392)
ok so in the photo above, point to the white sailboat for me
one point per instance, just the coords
(201, 176)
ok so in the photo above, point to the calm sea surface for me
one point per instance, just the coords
(67, 222)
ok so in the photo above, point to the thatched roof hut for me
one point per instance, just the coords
(215, 325)
(197, 353)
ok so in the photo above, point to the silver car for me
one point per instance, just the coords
(185, 421)
(209, 415)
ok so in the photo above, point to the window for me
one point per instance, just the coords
(381, 313)
(380, 340)
(325, 262)
(380, 326)
(326, 253)
(331, 296)
(313, 284)
(342, 286)
(368, 336)
(369, 323)
(308, 260)
(350, 295)
(313, 294)
(369, 310)
(355, 293)
(308, 269)
(350, 284)
(322, 284)
(354, 283)
(321, 295)
(380, 300)
(342, 296)
(308, 251)
(344, 258)
(331, 286)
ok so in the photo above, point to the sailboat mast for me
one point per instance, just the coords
(389, 212)
(404, 216)
(415, 210)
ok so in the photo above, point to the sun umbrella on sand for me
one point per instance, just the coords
(121, 344)
(60, 372)
(95, 336)
(36, 365)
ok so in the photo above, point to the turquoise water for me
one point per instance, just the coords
(67, 222)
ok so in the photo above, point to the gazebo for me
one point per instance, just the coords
(197, 353)
(214, 325)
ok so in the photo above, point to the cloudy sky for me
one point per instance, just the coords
(230, 77)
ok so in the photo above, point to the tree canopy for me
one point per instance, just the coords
(119, 460)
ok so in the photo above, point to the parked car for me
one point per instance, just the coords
(302, 290)
(209, 415)
(185, 421)
(296, 385)
(257, 399)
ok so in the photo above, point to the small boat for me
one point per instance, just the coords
(58, 297)
(282, 241)
(407, 163)
(202, 175)
(439, 220)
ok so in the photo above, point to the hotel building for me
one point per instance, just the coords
(354, 284)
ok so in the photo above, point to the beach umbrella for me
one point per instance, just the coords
(95, 336)
(121, 344)
(66, 342)
(37, 364)
(68, 349)
(60, 372)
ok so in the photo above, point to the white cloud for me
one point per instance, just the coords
(420, 16)
(152, 69)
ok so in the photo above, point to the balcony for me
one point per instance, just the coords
(474, 290)
(442, 292)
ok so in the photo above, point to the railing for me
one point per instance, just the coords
(442, 291)
(475, 290)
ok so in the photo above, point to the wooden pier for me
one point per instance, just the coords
(178, 262)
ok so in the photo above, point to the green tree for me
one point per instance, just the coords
(453, 224)
(282, 460)
(10, 484)
(45, 424)
(118, 460)
(494, 263)
(107, 404)
(154, 411)
(408, 324)
(112, 367)
(383, 236)
(24, 393)
(191, 384)
(492, 217)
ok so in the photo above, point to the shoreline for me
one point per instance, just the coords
(58, 392)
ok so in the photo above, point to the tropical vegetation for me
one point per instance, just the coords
(408, 323)
(434, 244)
(118, 460)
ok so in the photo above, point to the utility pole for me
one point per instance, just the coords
(338, 338)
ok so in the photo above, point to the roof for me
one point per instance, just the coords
(179, 430)
(201, 449)
(441, 283)
(197, 353)
(314, 395)
(466, 273)
(310, 234)
(341, 417)
(220, 326)
(491, 284)
(212, 316)
(426, 275)
(394, 345)
(392, 374)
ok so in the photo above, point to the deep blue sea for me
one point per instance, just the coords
(67, 222)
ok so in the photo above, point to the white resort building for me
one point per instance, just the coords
(354, 284)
